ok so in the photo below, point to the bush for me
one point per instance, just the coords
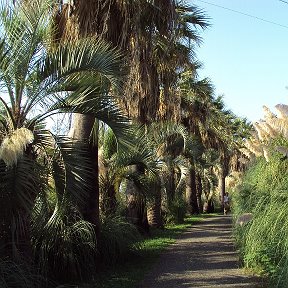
(176, 211)
(264, 241)
(14, 275)
(118, 239)
(65, 246)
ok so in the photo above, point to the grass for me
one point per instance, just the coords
(128, 274)
(263, 242)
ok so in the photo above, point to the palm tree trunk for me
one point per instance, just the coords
(191, 190)
(221, 187)
(154, 211)
(136, 205)
(170, 186)
(109, 202)
(81, 130)
(199, 189)
(210, 206)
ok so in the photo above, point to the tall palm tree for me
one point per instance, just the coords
(40, 80)
(152, 34)
(226, 134)
(116, 166)
(196, 103)
(168, 140)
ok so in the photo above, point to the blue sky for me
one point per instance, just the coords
(246, 58)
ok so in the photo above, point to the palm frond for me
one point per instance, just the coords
(63, 243)
(169, 137)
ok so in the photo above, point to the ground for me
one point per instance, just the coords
(205, 257)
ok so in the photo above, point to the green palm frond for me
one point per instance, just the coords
(67, 76)
(64, 242)
(194, 147)
(182, 166)
(69, 63)
(71, 168)
(169, 137)
(19, 187)
(193, 15)
(109, 144)
(21, 182)
(9, 115)
(121, 163)
(140, 156)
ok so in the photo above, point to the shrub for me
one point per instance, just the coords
(14, 275)
(263, 242)
(118, 239)
(176, 211)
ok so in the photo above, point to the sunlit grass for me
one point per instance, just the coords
(263, 241)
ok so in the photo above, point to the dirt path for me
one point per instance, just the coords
(204, 256)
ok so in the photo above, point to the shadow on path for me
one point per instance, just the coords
(204, 256)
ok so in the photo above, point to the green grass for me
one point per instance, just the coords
(263, 242)
(128, 274)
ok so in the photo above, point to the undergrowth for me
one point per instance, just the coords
(126, 261)
(129, 272)
(263, 242)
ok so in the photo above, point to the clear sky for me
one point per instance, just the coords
(246, 58)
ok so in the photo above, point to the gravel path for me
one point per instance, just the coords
(204, 257)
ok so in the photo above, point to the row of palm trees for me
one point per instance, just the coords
(130, 65)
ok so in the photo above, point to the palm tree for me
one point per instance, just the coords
(40, 80)
(168, 140)
(196, 105)
(225, 134)
(116, 164)
(159, 40)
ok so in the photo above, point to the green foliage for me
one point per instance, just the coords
(176, 211)
(64, 246)
(14, 275)
(118, 239)
(109, 144)
(263, 242)
(44, 191)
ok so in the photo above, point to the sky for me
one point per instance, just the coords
(246, 58)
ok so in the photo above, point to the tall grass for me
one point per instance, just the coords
(264, 241)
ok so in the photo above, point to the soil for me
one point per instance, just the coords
(204, 256)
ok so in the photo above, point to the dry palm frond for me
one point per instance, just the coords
(12, 147)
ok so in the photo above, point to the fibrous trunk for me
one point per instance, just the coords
(82, 127)
(136, 205)
(170, 187)
(221, 187)
(154, 209)
(191, 193)
(199, 189)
